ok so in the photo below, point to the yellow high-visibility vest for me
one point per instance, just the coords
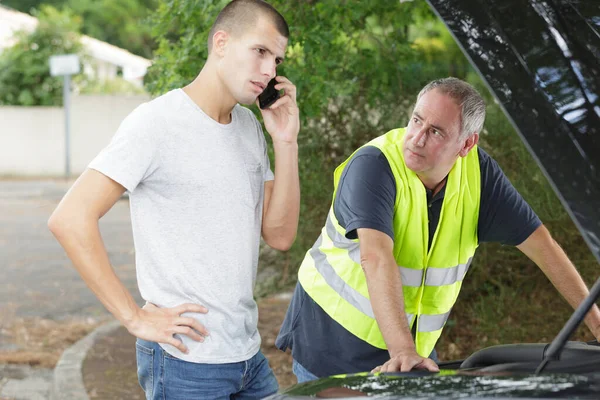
(332, 276)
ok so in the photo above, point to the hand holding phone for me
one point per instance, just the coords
(269, 95)
(283, 121)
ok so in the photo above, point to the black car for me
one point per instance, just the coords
(541, 60)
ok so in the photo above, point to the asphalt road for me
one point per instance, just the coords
(37, 278)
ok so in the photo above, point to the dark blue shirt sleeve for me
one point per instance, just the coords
(366, 194)
(504, 215)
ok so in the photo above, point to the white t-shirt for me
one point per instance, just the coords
(196, 196)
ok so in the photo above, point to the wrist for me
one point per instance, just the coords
(403, 349)
(131, 320)
(285, 144)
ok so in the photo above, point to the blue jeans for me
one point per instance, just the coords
(163, 376)
(304, 375)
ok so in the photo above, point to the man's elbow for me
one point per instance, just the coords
(62, 225)
(280, 242)
(57, 224)
(370, 261)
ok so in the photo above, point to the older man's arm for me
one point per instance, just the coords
(385, 290)
(543, 250)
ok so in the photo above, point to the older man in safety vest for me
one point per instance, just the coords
(409, 210)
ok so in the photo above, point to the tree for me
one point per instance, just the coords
(26, 6)
(122, 23)
(24, 68)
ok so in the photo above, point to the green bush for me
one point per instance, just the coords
(24, 68)
(112, 86)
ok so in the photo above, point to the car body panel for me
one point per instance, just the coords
(449, 384)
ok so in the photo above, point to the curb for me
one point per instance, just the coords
(68, 379)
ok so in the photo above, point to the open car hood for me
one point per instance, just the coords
(541, 60)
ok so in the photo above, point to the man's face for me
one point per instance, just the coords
(250, 61)
(432, 143)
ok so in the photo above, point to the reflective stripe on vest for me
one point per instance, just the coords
(346, 292)
(332, 276)
(410, 277)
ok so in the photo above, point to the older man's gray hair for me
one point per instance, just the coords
(467, 97)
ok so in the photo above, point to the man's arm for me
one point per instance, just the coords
(281, 206)
(385, 290)
(543, 250)
(75, 224)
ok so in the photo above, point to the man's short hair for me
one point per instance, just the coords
(239, 16)
(467, 97)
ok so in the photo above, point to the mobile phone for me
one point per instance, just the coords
(269, 95)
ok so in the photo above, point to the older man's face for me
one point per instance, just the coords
(432, 142)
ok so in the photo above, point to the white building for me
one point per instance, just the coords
(107, 63)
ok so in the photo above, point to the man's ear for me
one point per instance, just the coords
(469, 144)
(219, 43)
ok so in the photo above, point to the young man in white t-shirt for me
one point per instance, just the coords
(201, 194)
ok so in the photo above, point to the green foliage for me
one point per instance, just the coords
(437, 47)
(181, 29)
(24, 68)
(27, 6)
(112, 86)
(122, 23)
